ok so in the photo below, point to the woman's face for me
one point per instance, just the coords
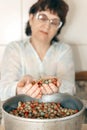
(44, 25)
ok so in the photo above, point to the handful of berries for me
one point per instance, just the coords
(45, 81)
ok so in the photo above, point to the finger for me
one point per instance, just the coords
(33, 89)
(53, 88)
(36, 94)
(26, 88)
(39, 96)
(22, 90)
(21, 84)
(25, 80)
(47, 89)
(58, 84)
(43, 91)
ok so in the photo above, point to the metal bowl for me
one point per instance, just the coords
(72, 122)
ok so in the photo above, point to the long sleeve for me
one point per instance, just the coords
(66, 72)
(10, 72)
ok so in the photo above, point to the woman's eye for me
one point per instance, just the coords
(55, 22)
(42, 17)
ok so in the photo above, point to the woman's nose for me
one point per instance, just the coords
(47, 24)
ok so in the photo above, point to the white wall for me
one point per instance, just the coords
(75, 32)
(14, 15)
(10, 22)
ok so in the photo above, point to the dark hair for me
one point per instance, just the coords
(58, 7)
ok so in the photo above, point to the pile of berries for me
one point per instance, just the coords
(43, 110)
(46, 81)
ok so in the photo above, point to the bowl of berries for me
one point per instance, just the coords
(57, 111)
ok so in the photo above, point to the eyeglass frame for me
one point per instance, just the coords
(50, 20)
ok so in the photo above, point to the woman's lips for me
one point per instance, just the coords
(46, 33)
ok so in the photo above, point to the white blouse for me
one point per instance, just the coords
(20, 58)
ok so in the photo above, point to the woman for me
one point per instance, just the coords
(41, 55)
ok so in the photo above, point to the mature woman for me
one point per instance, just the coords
(41, 55)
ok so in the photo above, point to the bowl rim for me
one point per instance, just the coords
(40, 120)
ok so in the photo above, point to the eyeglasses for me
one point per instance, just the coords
(56, 23)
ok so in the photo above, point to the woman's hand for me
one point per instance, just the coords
(25, 80)
(26, 86)
(35, 89)
(50, 87)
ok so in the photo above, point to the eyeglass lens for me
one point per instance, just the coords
(44, 18)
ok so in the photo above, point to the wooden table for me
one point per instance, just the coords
(84, 127)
